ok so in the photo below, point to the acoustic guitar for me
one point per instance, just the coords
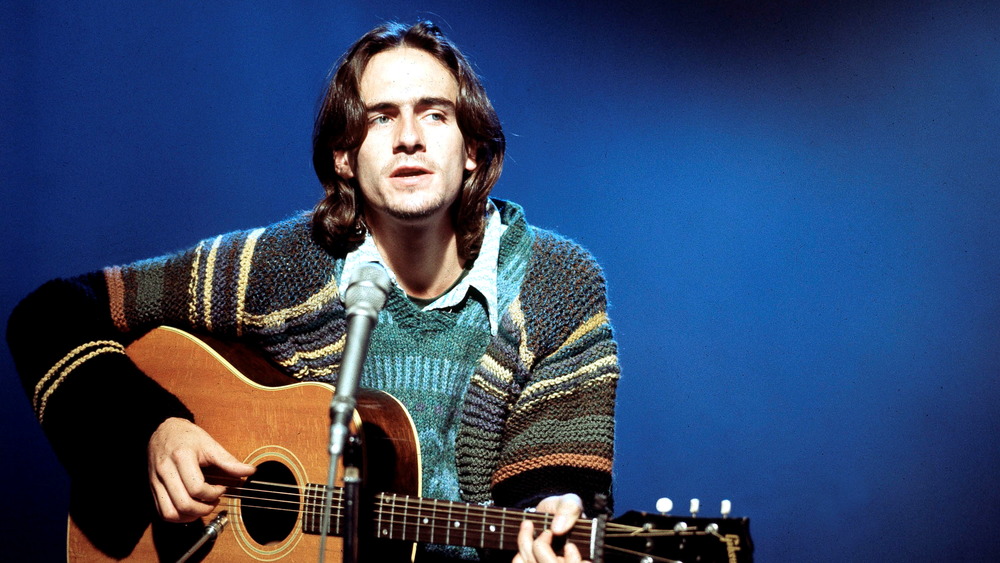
(277, 513)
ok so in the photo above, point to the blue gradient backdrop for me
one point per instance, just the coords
(796, 205)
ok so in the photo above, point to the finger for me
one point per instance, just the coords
(221, 458)
(571, 554)
(567, 512)
(525, 537)
(548, 504)
(162, 500)
(193, 479)
(541, 548)
(185, 508)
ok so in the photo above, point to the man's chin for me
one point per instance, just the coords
(412, 213)
(415, 211)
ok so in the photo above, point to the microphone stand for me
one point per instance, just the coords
(364, 297)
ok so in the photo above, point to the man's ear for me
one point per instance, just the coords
(470, 156)
(342, 164)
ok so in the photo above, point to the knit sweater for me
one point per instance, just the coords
(535, 400)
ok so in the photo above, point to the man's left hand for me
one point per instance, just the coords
(566, 510)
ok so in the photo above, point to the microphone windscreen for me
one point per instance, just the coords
(369, 288)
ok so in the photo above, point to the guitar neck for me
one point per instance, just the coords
(456, 523)
(408, 518)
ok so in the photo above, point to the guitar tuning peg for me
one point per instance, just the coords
(695, 506)
(727, 507)
(664, 505)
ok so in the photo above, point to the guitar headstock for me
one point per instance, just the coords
(642, 537)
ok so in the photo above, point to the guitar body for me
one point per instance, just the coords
(284, 431)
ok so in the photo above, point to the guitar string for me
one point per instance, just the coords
(426, 519)
(407, 502)
(431, 533)
(476, 514)
(416, 507)
(439, 517)
(422, 508)
(509, 523)
(433, 530)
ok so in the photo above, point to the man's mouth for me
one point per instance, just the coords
(409, 171)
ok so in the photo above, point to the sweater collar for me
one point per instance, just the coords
(481, 278)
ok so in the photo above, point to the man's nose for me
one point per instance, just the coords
(409, 137)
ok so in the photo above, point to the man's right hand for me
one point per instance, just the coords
(177, 451)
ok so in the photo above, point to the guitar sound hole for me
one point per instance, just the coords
(271, 503)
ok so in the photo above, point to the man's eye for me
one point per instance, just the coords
(435, 116)
(379, 120)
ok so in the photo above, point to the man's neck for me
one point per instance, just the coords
(424, 258)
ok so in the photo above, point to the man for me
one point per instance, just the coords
(494, 335)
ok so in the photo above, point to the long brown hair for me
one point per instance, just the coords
(341, 125)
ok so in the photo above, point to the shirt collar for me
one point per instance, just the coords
(482, 277)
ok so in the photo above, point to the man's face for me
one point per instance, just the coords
(412, 161)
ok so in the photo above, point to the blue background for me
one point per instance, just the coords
(795, 203)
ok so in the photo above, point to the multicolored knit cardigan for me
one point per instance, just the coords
(537, 417)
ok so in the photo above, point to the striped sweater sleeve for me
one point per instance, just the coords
(96, 408)
(73, 367)
(559, 435)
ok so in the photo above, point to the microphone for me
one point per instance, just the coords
(368, 290)
(364, 298)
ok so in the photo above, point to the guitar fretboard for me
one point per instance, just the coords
(404, 517)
